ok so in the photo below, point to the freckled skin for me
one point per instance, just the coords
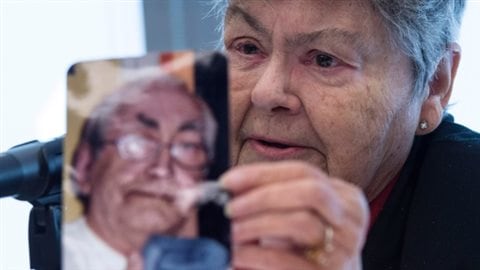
(356, 120)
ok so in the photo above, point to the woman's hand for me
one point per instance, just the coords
(291, 215)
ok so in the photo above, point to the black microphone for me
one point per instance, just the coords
(32, 170)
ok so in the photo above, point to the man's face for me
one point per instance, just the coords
(131, 190)
(318, 81)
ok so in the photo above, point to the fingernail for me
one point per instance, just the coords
(222, 182)
(234, 233)
(227, 211)
(230, 178)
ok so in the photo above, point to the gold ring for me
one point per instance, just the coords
(318, 253)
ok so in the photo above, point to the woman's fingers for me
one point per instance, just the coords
(310, 194)
(296, 215)
(242, 178)
(253, 257)
(298, 229)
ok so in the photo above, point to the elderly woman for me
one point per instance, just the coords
(349, 99)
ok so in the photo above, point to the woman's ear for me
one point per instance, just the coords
(80, 171)
(440, 90)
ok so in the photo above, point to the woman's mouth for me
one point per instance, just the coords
(169, 198)
(274, 149)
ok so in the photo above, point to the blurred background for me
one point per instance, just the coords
(39, 40)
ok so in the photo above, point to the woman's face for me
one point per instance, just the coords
(137, 195)
(318, 81)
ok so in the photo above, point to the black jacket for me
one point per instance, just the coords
(432, 218)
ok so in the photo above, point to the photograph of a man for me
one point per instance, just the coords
(138, 147)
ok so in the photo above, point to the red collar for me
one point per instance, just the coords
(378, 203)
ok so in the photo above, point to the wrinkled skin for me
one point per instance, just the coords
(131, 200)
(318, 82)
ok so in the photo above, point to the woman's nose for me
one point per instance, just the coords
(272, 92)
(161, 165)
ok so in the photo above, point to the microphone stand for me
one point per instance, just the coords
(32, 172)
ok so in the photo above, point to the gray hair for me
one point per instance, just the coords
(422, 29)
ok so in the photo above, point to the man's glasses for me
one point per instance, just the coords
(187, 154)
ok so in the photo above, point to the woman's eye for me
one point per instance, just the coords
(247, 48)
(325, 61)
(191, 146)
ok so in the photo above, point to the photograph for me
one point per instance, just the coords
(146, 142)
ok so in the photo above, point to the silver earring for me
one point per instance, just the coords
(423, 124)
